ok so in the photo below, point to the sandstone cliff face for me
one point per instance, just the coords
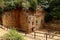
(0, 20)
(20, 20)
(10, 18)
(53, 25)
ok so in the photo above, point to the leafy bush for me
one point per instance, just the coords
(12, 35)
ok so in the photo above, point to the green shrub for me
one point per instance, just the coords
(13, 35)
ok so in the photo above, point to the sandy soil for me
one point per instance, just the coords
(2, 32)
(40, 36)
(31, 36)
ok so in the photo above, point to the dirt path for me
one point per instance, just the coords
(28, 36)
(2, 32)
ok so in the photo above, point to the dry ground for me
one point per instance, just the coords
(2, 32)
(31, 37)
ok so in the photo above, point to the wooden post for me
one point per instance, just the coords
(46, 36)
(33, 29)
(34, 34)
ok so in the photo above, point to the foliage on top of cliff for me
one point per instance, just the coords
(51, 6)
(53, 11)
(25, 4)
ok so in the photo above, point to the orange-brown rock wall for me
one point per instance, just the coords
(10, 18)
